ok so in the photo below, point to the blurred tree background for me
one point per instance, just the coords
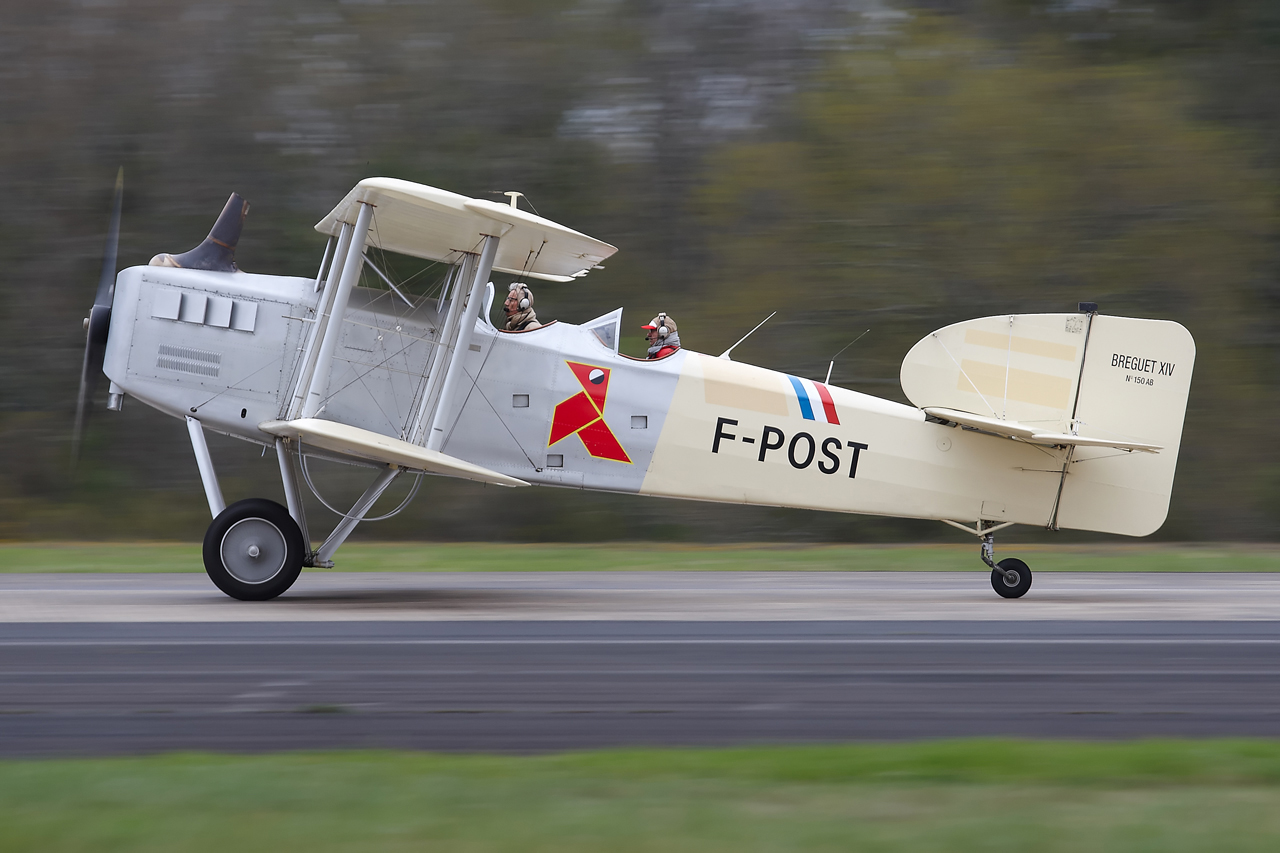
(853, 165)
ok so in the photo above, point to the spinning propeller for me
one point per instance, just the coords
(98, 323)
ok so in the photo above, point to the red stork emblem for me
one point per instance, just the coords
(583, 414)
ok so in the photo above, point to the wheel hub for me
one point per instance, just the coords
(254, 550)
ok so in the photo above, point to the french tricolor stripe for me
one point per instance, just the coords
(815, 401)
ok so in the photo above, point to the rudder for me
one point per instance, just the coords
(1134, 385)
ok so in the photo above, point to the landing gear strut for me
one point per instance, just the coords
(1010, 578)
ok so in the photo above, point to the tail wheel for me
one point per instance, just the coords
(253, 550)
(1013, 581)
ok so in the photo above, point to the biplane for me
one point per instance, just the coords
(1063, 421)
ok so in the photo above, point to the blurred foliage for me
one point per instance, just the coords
(891, 167)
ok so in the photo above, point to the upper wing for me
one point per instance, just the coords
(431, 223)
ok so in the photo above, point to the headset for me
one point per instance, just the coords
(663, 331)
(525, 294)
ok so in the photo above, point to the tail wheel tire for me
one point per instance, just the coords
(1014, 581)
(253, 550)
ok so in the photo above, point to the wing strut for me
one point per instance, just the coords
(351, 267)
(323, 313)
(446, 408)
(440, 354)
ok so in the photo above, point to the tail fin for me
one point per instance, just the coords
(1135, 383)
(1116, 383)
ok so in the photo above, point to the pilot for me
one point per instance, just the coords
(519, 309)
(660, 332)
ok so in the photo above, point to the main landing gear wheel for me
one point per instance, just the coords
(253, 551)
(1014, 581)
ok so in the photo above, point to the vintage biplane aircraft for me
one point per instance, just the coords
(1068, 420)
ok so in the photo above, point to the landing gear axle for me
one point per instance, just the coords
(1010, 578)
(254, 550)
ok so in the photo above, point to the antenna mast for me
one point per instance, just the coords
(725, 354)
(827, 381)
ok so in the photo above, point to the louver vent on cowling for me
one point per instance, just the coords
(189, 360)
(205, 310)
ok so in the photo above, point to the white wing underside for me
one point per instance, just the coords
(375, 447)
(425, 222)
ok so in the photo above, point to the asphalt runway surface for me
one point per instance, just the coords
(526, 662)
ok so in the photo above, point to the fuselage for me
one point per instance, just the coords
(696, 426)
(558, 406)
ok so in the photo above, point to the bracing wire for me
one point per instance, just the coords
(973, 384)
(306, 475)
(386, 263)
(532, 258)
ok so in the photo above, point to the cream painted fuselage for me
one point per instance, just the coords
(703, 428)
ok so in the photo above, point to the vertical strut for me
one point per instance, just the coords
(440, 354)
(467, 325)
(292, 494)
(208, 477)
(351, 267)
(328, 247)
(989, 547)
(323, 305)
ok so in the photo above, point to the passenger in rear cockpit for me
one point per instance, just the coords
(519, 309)
(661, 334)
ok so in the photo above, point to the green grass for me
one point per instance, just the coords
(481, 557)
(955, 796)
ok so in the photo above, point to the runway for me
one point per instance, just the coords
(320, 596)
(119, 664)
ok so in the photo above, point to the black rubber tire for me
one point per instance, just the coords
(266, 527)
(1011, 590)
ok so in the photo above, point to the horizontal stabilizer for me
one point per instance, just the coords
(1060, 438)
(364, 444)
(1008, 429)
(1032, 435)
